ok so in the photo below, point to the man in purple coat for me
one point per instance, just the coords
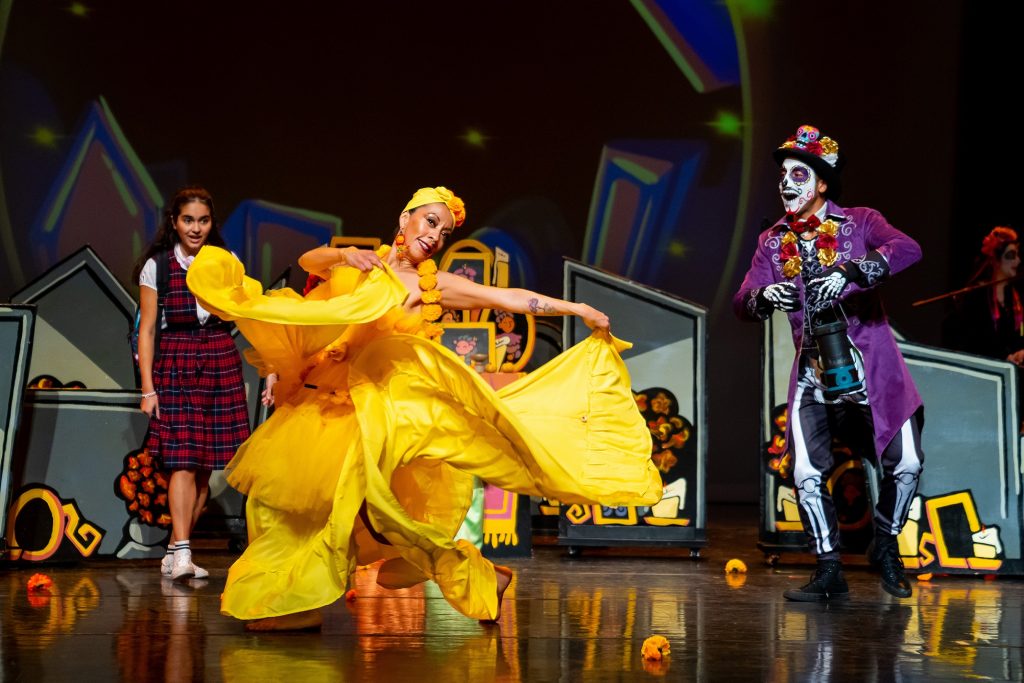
(821, 264)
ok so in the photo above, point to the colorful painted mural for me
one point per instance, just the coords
(43, 526)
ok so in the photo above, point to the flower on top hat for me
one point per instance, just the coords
(817, 151)
(810, 140)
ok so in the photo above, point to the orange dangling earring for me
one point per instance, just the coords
(400, 246)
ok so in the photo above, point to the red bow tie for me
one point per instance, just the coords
(797, 225)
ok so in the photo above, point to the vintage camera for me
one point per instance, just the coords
(835, 353)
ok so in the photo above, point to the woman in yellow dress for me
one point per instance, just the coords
(379, 430)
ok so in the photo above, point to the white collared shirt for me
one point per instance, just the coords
(147, 278)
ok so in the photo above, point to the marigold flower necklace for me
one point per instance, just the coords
(431, 308)
(824, 240)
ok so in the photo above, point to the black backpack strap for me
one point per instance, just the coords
(163, 278)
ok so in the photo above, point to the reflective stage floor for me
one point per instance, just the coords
(564, 619)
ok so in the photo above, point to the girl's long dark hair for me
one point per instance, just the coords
(167, 236)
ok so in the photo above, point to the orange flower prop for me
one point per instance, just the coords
(350, 595)
(39, 583)
(735, 565)
(143, 488)
(654, 648)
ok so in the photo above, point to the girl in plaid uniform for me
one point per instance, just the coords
(192, 385)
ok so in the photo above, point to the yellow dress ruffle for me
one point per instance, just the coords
(375, 425)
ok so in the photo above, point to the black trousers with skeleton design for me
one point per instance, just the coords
(813, 424)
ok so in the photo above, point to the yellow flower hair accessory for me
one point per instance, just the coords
(441, 195)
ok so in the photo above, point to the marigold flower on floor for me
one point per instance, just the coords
(735, 565)
(655, 647)
(39, 583)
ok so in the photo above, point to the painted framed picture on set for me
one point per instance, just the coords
(466, 340)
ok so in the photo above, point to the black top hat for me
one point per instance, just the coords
(820, 153)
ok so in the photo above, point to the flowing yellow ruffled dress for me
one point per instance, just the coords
(377, 433)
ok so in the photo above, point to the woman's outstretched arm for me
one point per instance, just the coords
(460, 293)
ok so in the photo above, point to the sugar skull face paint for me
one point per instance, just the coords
(798, 185)
(1010, 260)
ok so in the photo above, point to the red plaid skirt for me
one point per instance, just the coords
(198, 379)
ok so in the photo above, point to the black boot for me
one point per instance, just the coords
(827, 583)
(886, 556)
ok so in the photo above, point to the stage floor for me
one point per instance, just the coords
(579, 619)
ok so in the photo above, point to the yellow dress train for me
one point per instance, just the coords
(377, 433)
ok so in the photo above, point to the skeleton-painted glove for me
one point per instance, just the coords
(783, 296)
(828, 287)
(866, 272)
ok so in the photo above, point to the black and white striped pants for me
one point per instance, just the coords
(813, 424)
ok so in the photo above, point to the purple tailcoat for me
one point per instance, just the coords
(891, 392)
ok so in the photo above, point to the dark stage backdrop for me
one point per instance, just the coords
(525, 109)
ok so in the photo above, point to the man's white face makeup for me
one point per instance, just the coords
(798, 185)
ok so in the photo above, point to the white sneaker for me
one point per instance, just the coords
(199, 572)
(183, 569)
(167, 564)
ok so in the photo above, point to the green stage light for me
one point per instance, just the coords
(44, 137)
(728, 124)
(474, 138)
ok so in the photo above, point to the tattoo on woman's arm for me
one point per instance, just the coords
(537, 307)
